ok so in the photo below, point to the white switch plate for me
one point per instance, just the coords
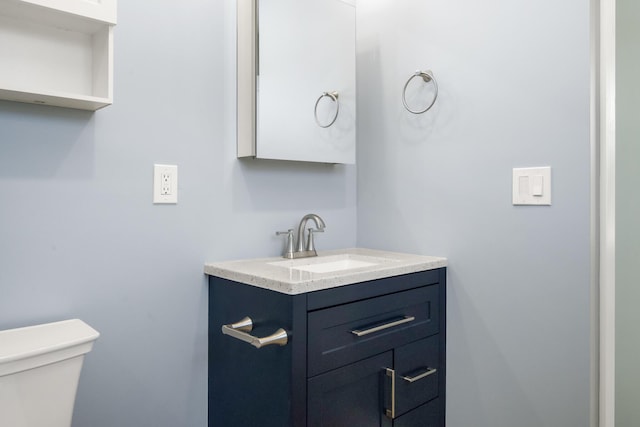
(532, 186)
(165, 184)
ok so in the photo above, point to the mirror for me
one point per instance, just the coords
(296, 80)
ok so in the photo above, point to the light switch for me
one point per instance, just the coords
(532, 186)
(537, 185)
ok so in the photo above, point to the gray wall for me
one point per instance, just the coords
(79, 236)
(627, 214)
(514, 92)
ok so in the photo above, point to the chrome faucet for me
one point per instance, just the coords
(303, 250)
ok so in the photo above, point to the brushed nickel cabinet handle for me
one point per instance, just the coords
(240, 330)
(391, 413)
(429, 371)
(391, 324)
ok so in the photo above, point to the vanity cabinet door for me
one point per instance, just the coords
(430, 414)
(349, 396)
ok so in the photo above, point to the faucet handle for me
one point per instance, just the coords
(310, 243)
(288, 252)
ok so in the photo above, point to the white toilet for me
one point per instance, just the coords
(39, 371)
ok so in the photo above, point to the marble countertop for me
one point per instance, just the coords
(303, 275)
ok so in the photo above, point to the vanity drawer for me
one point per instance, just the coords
(344, 334)
(416, 367)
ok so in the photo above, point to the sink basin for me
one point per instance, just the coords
(329, 267)
(330, 264)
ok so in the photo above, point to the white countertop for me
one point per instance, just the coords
(296, 276)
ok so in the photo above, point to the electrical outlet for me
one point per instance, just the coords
(165, 184)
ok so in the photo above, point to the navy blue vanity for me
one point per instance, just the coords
(370, 353)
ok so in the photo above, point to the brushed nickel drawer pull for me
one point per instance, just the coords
(391, 413)
(362, 333)
(240, 330)
(429, 371)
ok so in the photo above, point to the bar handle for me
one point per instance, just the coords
(391, 412)
(391, 324)
(429, 371)
(240, 330)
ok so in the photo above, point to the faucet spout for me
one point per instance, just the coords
(320, 225)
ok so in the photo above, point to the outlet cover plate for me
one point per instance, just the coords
(165, 184)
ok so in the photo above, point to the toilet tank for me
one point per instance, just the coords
(39, 372)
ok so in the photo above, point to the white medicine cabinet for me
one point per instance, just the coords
(296, 94)
(57, 52)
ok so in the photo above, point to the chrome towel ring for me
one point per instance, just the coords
(427, 76)
(334, 97)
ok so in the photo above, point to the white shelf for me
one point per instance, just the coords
(57, 57)
(99, 10)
